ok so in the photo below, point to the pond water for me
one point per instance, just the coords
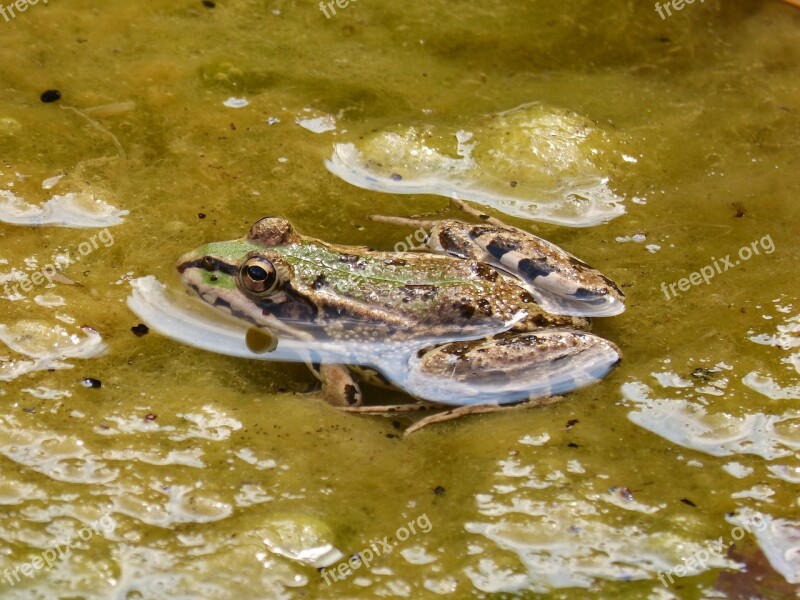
(137, 467)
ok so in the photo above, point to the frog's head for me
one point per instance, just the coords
(248, 278)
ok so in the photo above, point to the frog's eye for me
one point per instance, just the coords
(258, 276)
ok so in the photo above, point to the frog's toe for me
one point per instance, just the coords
(512, 366)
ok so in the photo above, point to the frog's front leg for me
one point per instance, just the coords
(339, 389)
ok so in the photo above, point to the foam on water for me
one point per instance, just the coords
(535, 161)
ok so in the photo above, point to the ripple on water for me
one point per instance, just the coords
(45, 346)
(166, 505)
(74, 209)
(556, 531)
(60, 457)
(683, 412)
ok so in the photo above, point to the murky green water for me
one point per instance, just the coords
(191, 464)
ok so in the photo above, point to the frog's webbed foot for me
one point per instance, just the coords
(483, 217)
(477, 409)
(339, 389)
(429, 223)
(404, 221)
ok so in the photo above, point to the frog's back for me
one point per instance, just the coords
(420, 290)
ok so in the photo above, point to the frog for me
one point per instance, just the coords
(484, 316)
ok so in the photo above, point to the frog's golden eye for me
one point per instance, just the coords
(258, 276)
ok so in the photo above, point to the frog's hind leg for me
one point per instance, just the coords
(483, 217)
(510, 367)
(477, 409)
(559, 282)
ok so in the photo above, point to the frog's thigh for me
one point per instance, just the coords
(338, 386)
(521, 364)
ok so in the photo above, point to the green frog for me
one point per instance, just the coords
(485, 316)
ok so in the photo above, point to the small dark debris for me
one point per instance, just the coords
(392, 435)
(571, 423)
(689, 502)
(49, 96)
(140, 330)
(572, 445)
(30, 411)
(150, 417)
(703, 374)
(282, 389)
(209, 4)
(439, 490)
(664, 40)
(625, 493)
(512, 183)
(397, 177)
(740, 210)
(396, 424)
(201, 215)
(90, 382)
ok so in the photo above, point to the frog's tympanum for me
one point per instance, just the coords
(487, 315)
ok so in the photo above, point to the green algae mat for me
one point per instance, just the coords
(661, 144)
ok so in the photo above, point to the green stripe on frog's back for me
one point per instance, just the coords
(357, 275)
(430, 288)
